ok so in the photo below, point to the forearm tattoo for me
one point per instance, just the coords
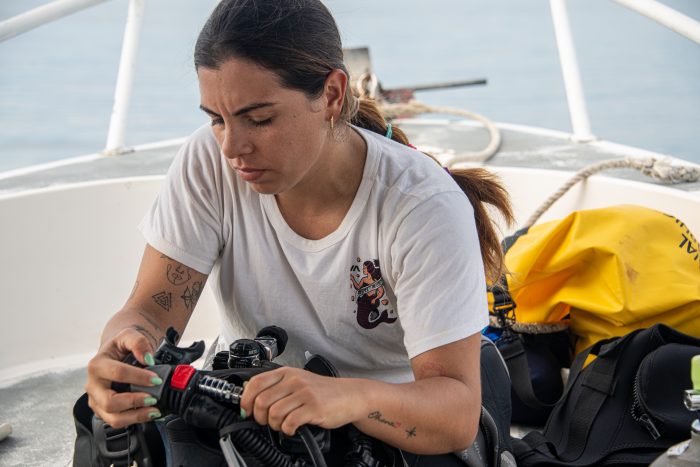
(164, 300)
(178, 274)
(191, 295)
(378, 417)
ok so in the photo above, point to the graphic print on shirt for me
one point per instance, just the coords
(373, 308)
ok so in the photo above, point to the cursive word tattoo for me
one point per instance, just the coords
(376, 415)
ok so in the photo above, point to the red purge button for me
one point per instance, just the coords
(181, 376)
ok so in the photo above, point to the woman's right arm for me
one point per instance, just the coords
(164, 295)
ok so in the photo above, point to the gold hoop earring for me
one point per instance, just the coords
(331, 122)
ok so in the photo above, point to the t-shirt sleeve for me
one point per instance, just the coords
(440, 284)
(185, 220)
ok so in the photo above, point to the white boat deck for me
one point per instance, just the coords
(521, 147)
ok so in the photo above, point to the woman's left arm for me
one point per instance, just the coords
(437, 413)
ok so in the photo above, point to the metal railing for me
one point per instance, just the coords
(127, 65)
(664, 15)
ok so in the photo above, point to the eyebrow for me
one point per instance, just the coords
(239, 112)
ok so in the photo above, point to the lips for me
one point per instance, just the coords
(250, 175)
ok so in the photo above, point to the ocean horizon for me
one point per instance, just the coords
(641, 80)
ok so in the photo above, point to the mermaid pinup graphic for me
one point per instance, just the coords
(369, 289)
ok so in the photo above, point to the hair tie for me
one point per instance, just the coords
(389, 131)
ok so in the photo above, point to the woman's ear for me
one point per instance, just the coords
(334, 92)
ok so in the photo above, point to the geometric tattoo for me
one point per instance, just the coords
(164, 299)
(191, 296)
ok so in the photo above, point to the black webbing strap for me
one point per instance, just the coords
(597, 385)
(513, 352)
(512, 349)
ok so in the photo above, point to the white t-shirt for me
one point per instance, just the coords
(401, 275)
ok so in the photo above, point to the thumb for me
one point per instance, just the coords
(140, 342)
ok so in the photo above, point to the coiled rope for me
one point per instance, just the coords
(367, 86)
(659, 169)
(413, 108)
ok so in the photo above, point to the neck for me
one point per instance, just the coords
(317, 206)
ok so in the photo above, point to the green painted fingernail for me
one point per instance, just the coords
(149, 359)
(243, 414)
(150, 400)
(156, 381)
(154, 414)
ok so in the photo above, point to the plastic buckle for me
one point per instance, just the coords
(116, 445)
(504, 311)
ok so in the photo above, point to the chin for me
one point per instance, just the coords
(264, 189)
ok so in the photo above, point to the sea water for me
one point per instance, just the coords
(641, 81)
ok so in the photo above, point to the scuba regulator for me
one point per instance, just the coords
(206, 405)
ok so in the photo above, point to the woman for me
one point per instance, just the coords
(293, 185)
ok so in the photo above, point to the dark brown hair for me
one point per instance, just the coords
(299, 41)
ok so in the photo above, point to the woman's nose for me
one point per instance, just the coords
(235, 144)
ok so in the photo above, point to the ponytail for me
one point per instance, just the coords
(481, 187)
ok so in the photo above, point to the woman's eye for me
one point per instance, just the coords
(261, 123)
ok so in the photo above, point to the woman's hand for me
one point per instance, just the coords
(287, 398)
(122, 409)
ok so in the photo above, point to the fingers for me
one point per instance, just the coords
(109, 370)
(284, 399)
(261, 392)
(120, 410)
(278, 415)
(132, 340)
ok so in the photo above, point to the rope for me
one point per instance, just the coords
(367, 86)
(413, 108)
(659, 169)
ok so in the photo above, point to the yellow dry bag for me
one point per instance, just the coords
(605, 272)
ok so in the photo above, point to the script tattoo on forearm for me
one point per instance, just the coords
(146, 333)
(378, 417)
(191, 295)
(164, 300)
